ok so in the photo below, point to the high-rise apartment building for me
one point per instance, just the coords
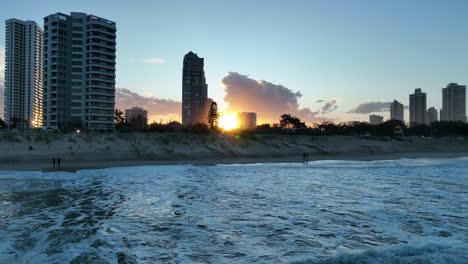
(453, 103)
(397, 111)
(375, 119)
(247, 120)
(23, 74)
(79, 71)
(194, 91)
(135, 112)
(417, 107)
(137, 117)
(431, 115)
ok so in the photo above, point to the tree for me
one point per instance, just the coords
(119, 117)
(200, 129)
(419, 130)
(119, 121)
(138, 122)
(2, 124)
(288, 121)
(388, 128)
(213, 115)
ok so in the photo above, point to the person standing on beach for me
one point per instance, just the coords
(53, 162)
(58, 162)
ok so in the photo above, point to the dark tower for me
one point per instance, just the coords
(194, 91)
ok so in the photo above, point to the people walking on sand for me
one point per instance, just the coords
(58, 162)
(53, 163)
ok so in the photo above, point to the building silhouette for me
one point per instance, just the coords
(194, 91)
(375, 119)
(136, 117)
(79, 71)
(397, 111)
(23, 74)
(453, 103)
(431, 115)
(247, 120)
(417, 107)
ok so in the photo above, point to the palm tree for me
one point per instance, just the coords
(213, 115)
(119, 117)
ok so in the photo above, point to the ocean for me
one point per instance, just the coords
(398, 211)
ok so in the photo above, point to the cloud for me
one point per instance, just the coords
(268, 100)
(125, 99)
(154, 60)
(329, 107)
(320, 101)
(371, 107)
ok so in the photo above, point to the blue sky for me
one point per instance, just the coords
(351, 51)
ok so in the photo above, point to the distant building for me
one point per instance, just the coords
(375, 119)
(194, 91)
(79, 71)
(23, 74)
(247, 120)
(431, 115)
(417, 107)
(137, 117)
(453, 103)
(397, 111)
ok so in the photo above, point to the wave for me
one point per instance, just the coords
(401, 254)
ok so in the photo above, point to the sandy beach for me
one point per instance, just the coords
(35, 151)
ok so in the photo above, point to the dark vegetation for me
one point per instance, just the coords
(2, 124)
(292, 125)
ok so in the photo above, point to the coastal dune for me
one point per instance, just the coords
(35, 151)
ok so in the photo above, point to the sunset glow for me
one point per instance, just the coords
(228, 121)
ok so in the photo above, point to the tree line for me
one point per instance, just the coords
(289, 124)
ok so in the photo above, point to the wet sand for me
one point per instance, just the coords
(75, 165)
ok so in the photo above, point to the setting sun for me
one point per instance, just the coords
(228, 121)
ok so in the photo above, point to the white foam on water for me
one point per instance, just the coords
(397, 211)
(436, 253)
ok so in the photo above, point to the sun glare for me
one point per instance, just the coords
(228, 121)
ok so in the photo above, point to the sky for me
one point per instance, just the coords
(325, 57)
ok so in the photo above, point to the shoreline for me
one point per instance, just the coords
(74, 166)
(35, 152)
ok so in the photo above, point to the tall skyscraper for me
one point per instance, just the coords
(194, 91)
(23, 74)
(453, 103)
(417, 107)
(79, 71)
(431, 115)
(397, 111)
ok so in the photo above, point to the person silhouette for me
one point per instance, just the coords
(58, 162)
(53, 163)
